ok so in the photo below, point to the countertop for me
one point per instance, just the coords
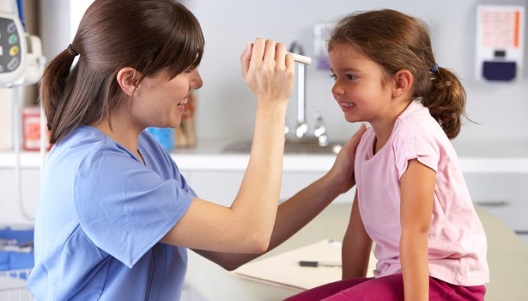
(475, 156)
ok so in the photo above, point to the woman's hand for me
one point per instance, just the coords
(343, 168)
(268, 70)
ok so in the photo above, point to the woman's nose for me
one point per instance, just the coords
(196, 80)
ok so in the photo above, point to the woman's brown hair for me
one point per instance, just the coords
(147, 35)
(397, 41)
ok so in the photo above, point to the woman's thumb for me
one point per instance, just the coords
(245, 58)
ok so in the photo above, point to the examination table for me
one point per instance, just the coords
(507, 256)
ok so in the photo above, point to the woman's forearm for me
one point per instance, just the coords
(301, 208)
(292, 215)
(257, 199)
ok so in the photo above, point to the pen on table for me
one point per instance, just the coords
(315, 264)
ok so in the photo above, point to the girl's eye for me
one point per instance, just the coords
(347, 76)
(351, 77)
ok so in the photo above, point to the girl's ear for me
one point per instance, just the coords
(403, 81)
(128, 80)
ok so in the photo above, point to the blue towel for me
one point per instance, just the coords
(16, 249)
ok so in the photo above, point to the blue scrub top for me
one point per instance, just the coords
(100, 218)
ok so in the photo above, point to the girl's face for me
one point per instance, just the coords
(358, 87)
(160, 102)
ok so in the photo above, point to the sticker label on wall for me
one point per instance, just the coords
(500, 42)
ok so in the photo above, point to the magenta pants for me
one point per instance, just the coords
(388, 288)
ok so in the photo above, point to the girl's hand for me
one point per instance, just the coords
(268, 70)
(343, 169)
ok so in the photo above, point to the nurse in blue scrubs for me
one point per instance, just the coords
(115, 216)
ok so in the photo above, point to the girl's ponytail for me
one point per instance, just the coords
(446, 100)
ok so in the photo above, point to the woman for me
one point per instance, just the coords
(115, 216)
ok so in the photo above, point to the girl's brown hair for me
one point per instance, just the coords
(147, 35)
(397, 41)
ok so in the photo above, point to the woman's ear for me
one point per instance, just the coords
(403, 82)
(128, 80)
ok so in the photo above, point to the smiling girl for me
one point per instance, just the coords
(411, 199)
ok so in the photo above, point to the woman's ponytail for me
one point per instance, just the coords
(108, 39)
(52, 90)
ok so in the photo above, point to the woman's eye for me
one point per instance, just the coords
(190, 69)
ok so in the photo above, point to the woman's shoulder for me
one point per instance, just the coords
(83, 136)
(85, 143)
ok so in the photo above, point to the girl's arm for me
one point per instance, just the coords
(357, 245)
(300, 209)
(417, 197)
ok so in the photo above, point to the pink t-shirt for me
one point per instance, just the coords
(457, 242)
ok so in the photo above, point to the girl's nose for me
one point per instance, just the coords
(336, 89)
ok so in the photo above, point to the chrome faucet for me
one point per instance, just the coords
(320, 130)
(302, 127)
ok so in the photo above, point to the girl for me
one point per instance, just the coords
(411, 198)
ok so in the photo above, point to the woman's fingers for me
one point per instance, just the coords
(269, 71)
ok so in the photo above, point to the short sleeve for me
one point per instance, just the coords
(124, 207)
(409, 144)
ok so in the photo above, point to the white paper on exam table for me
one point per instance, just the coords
(284, 270)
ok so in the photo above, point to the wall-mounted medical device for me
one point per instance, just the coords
(21, 63)
(500, 42)
(21, 59)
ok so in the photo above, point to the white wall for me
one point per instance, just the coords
(226, 106)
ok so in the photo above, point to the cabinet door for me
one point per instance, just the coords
(503, 195)
(219, 187)
(292, 182)
(222, 186)
(18, 201)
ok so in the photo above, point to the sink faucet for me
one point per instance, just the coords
(320, 130)
(301, 130)
(302, 127)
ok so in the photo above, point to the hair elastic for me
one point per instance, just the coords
(434, 69)
(72, 51)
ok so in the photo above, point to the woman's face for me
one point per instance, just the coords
(159, 101)
(358, 87)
